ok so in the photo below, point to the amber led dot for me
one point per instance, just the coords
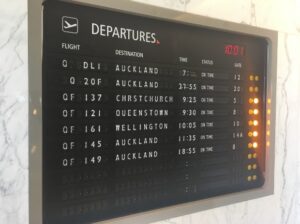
(255, 145)
(256, 100)
(251, 100)
(255, 122)
(268, 122)
(254, 177)
(251, 89)
(256, 89)
(250, 145)
(255, 134)
(254, 155)
(256, 78)
(268, 143)
(250, 112)
(255, 111)
(268, 111)
(268, 133)
(254, 166)
(249, 156)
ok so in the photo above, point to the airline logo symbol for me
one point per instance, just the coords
(70, 25)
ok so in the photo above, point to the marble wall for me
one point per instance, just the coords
(282, 15)
(13, 112)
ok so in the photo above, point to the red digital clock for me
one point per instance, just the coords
(234, 50)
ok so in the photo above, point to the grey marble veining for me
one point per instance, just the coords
(288, 127)
(281, 208)
(13, 113)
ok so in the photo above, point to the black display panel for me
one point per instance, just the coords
(141, 113)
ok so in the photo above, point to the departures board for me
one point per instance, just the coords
(141, 113)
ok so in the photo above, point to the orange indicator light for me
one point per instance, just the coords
(250, 100)
(268, 133)
(255, 111)
(255, 134)
(256, 78)
(251, 77)
(255, 145)
(250, 134)
(268, 122)
(255, 122)
(251, 89)
(268, 143)
(250, 145)
(268, 111)
(269, 101)
(256, 100)
(254, 155)
(250, 112)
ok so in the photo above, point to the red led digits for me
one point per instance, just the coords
(234, 50)
(228, 49)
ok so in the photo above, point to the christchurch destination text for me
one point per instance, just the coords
(144, 99)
